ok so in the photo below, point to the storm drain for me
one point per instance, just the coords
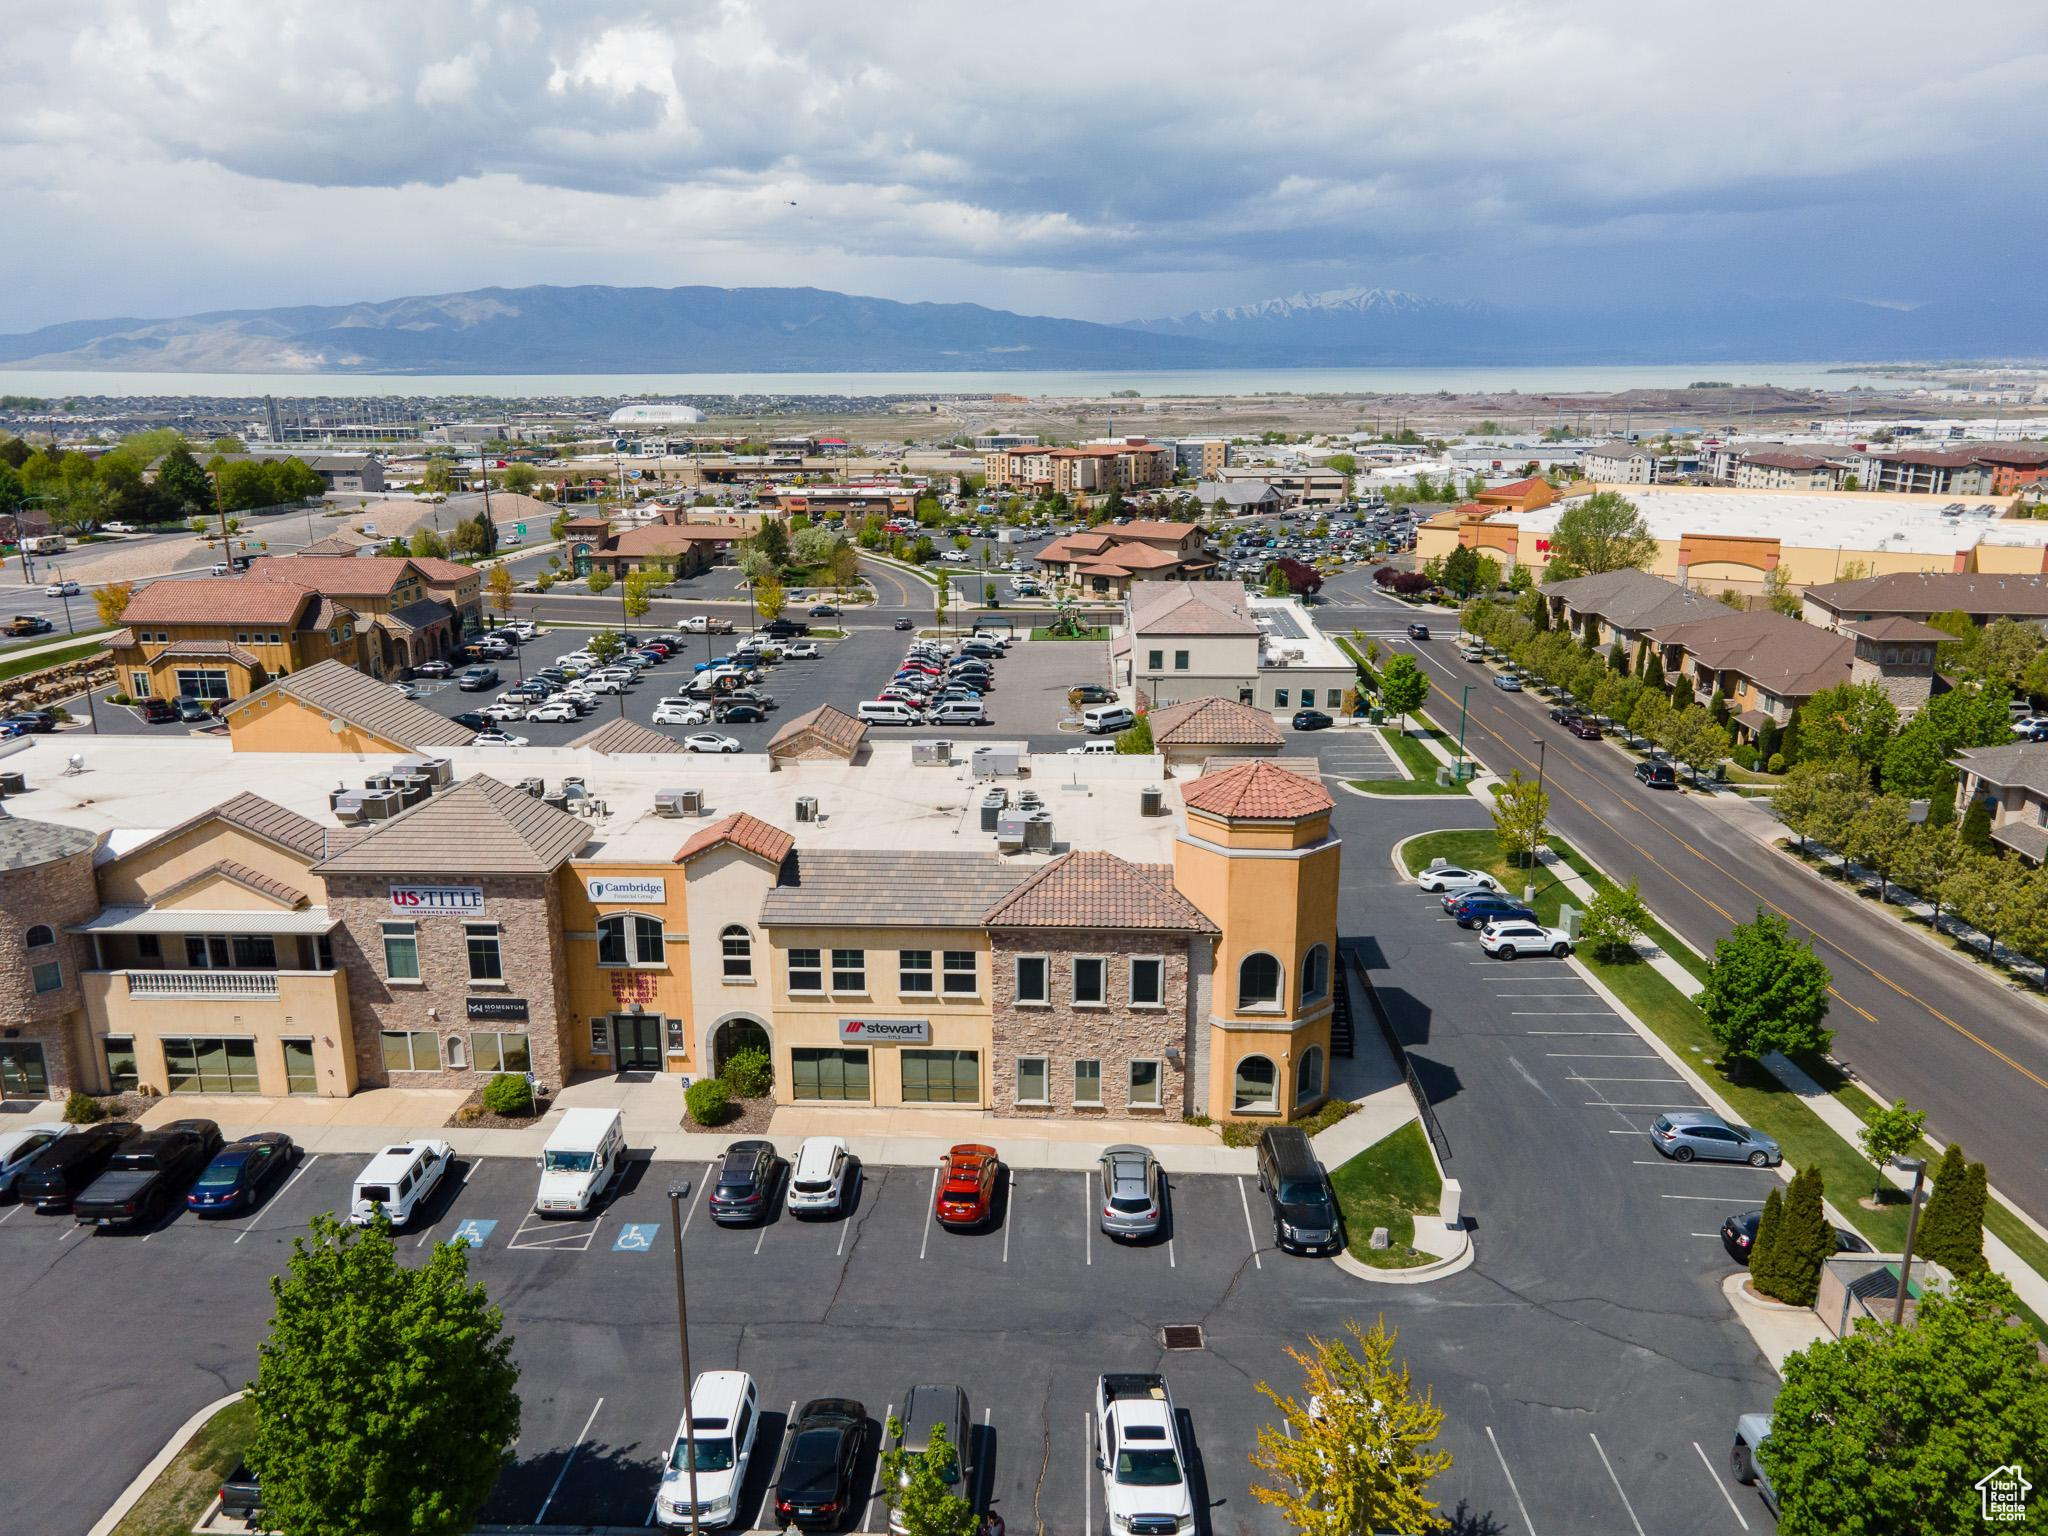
(1181, 1336)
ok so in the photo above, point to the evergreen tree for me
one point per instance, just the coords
(1767, 739)
(1976, 832)
(1763, 1246)
(1653, 667)
(1717, 706)
(1952, 1223)
(1804, 1241)
(1617, 660)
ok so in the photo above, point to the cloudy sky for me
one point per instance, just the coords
(1109, 161)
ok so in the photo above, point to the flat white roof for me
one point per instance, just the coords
(131, 787)
(1817, 520)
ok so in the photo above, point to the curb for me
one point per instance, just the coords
(1421, 1274)
(132, 1494)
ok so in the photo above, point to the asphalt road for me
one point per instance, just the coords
(1911, 1021)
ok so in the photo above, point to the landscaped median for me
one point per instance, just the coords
(1758, 1099)
(1388, 1185)
(184, 1490)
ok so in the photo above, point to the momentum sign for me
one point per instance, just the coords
(885, 1031)
(626, 888)
(417, 900)
(507, 1009)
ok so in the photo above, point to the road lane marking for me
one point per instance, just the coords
(1603, 1056)
(1586, 1034)
(297, 1174)
(461, 1180)
(1719, 1484)
(1724, 1199)
(1251, 1232)
(925, 1246)
(1564, 1013)
(1528, 1524)
(1574, 1077)
(1630, 1104)
(567, 1462)
(1632, 1520)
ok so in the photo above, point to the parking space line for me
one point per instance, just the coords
(461, 1179)
(561, 1242)
(1665, 1162)
(1709, 1465)
(1603, 1055)
(1009, 1207)
(1249, 1231)
(1591, 1034)
(1611, 1104)
(1528, 1524)
(567, 1462)
(692, 1211)
(297, 1175)
(1574, 1077)
(1632, 1520)
(924, 1246)
(875, 1504)
(66, 1233)
(758, 1241)
(1087, 1217)
(1563, 1013)
(1724, 1199)
(10, 1214)
(1088, 1468)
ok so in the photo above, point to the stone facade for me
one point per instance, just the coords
(1907, 686)
(53, 894)
(1114, 1034)
(527, 911)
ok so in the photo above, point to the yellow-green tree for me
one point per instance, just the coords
(112, 600)
(634, 595)
(1357, 1450)
(498, 590)
(768, 597)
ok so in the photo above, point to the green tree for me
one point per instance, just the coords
(1878, 835)
(1976, 830)
(1780, 596)
(769, 597)
(1404, 687)
(1355, 1452)
(1521, 818)
(426, 544)
(1802, 1244)
(1887, 1134)
(1617, 659)
(498, 589)
(1616, 920)
(386, 1398)
(1137, 741)
(1886, 1431)
(1765, 992)
(921, 1488)
(1855, 721)
(1952, 1223)
(1651, 716)
(599, 580)
(1933, 855)
(1601, 532)
(1917, 760)
(1987, 894)
(635, 595)
(607, 646)
(520, 479)
(1276, 581)
(1697, 740)
(2005, 650)
(1768, 1225)
(771, 542)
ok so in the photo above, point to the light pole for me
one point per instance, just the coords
(1917, 1166)
(1541, 746)
(676, 1191)
(1464, 712)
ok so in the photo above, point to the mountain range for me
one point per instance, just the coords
(799, 330)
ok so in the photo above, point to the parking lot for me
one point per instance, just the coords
(1354, 754)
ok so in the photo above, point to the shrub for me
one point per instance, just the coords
(82, 1108)
(1241, 1133)
(508, 1094)
(469, 1114)
(1199, 1118)
(707, 1100)
(1776, 763)
(749, 1073)
(1332, 1111)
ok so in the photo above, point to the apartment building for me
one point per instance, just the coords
(1919, 595)
(1766, 665)
(1108, 561)
(1620, 464)
(1978, 469)
(1090, 470)
(2013, 783)
(206, 919)
(1784, 470)
(1201, 458)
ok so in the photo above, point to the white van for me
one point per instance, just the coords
(580, 1162)
(886, 712)
(1093, 749)
(398, 1180)
(1104, 718)
(959, 712)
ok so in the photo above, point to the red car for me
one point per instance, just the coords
(967, 1187)
(1582, 728)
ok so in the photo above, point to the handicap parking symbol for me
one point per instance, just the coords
(471, 1234)
(636, 1237)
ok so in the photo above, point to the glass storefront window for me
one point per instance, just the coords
(941, 1077)
(817, 1072)
(210, 1064)
(504, 1052)
(123, 1073)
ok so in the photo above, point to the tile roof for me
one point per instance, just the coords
(1258, 791)
(1089, 888)
(860, 888)
(664, 538)
(265, 819)
(1631, 599)
(444, 573)
(370, 576)
(223, 648)
(1918, 592)
(2018, 765)
(1790, 659)
(482, 826)
(25, 844)
(1191, 608)
(340, 691)
(217, 600)
(424, 614)
(626, 736)
(835, 726)
(242, 875)
(1213, 722)
(1151, 528)
(749, 834)
(346, 544)
(1307, 767)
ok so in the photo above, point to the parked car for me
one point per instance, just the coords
(674, 713)
(745, 1188)
(1133, 1192)
(965, 1198)
(496, 738)
(1684, 1134)
(815, 1487)
(55, 1175)
(929, 1407)
(477, 678)
(1304, 1209)
(822, 1177)
(709, 741)
(1449, 877)
(1584, 729)
(1738, 1235)
(782, 629)
(1418, 631)
(1751, 1430)
(1472, 653)
(241, 1173)
(1563, 714)
(724, 1413)
(802, 650)
(432, 669)
(1507, 682)
(505, 709)
(147, 1175)
(19, 1146)
(1516, 936)
(193, 711)
(1091, 693)
(1477, 911)
(398, 1182)
(554, 709)
(1141, 1455)
(241, 1495)
(470, 720)
(1312, 720)
(1657, 775)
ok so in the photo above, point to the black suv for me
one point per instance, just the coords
(64, 1168)
(745, 1190)
(1305, 1218)
(1657, 775)
(815, 1487)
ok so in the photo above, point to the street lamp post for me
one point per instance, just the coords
(1541, 747)
(676, 1191)
(1917, 1166)
(1464, 712)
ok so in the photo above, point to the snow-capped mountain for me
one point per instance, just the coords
(1334, 301)
(1341, 325)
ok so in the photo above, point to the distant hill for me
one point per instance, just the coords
(1362, 327)
(605, 330)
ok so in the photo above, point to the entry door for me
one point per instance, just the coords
(636, 1042)
(22, 1073)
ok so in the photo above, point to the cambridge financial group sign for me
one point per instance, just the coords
(422, 900)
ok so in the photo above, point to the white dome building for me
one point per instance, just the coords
(657, 413)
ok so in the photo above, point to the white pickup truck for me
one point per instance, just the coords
(1142, 1457)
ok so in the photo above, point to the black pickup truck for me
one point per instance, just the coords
(148, 1175)
(69, 1163)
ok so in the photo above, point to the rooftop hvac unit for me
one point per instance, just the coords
(13, 784)
(347, 806)
(437, 770)
(572, 786)
(693, 802)
(806, 807)
(993, 805)
(377, 781)
(931, 753)
(381, 804)
(411, 792)
(535, 787)
(1150, 800)
(1038, 833)
(668, 802)
(557, 801)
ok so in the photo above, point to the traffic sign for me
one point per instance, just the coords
(519, 530)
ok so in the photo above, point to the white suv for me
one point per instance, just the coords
(821, 1179)
(1517, 936)
(723, 1415)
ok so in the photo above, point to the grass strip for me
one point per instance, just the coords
(21, 666)
(172, 1504)
(1388, 1185)
(1092, 632)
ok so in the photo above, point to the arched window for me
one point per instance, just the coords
(1258, 982)
(737, 947)
(629, 938)
(1308, 1076)
(1315, 974)
(1254, 1087)
(41, 936)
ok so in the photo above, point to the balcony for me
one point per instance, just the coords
(202, 984)
(152, 1002)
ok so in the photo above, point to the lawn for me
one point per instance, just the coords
(1758, 1099)
(1388, 1185)
(1091, 632)
(182, 1491)
(21, 665)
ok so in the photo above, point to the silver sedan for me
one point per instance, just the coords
(1133, 1192)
